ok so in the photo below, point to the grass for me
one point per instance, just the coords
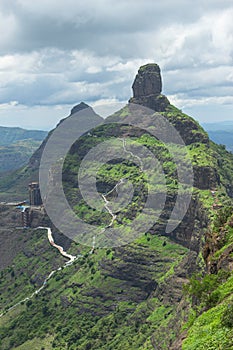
(208, 333)
(29, 269)
(123, 327)
(37, 344)
(108, 300)
(201, 155)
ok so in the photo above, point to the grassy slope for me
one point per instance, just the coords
(93, 304)
(14, 185)
(74, 307)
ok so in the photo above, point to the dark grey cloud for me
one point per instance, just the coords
(60, 52)
(105, 27)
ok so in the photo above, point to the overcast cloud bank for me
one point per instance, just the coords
(54, 54)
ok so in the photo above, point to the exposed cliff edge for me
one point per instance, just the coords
(147, 88)
(131, 297)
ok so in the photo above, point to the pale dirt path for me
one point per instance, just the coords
(71, 258)
(115, 188)
(60, 249)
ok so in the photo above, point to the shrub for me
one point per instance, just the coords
(227, 317)
(28, 303)
(213, 299)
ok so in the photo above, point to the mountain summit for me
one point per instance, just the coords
(148, 81)
(162, 291)
(147, 88)
(81, 106)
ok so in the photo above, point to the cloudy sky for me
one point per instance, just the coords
(56, 53)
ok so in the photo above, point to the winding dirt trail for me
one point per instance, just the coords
(71, 258)
(131, 153)
(109, 210)
(60, 249)
(104, 196)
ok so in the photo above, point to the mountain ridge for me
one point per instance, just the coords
(9, 135)
(132, 297)
(17, 145)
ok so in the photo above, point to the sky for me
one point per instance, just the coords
(57, 53)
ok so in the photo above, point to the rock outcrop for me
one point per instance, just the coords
(148, 81)
(79, 108)
(147, 88)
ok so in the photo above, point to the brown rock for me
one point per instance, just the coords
(206, 177)
(147, 88)
(148, 81)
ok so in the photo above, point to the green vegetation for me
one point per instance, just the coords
(17, 154)
(211, 322)
(9, 136)
(14, 186)
(208, 331)
(17, 146)
(135, 296)
(91, 303)
(28, 269)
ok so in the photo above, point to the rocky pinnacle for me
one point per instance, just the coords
(147, 88)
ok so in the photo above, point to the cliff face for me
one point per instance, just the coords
(130, 297)
(147, 88)
(147, 82)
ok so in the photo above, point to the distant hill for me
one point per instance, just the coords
(9, 136)
(165, 290)
(17, 145)
(221, 133)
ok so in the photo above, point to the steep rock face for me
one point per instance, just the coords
(147, 88)
(205, 177)
(219, 242)
(79, 108)
(190, 231)
(148, 81)
(189, 129)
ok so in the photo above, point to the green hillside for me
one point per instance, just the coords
(18, 154)
(161, 291)
(10, 135)
(17, 146)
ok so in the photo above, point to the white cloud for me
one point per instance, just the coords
(107, 107)
(182, 102)
(222, 31)
(60, 52)
(36, 117)
(8, 28)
